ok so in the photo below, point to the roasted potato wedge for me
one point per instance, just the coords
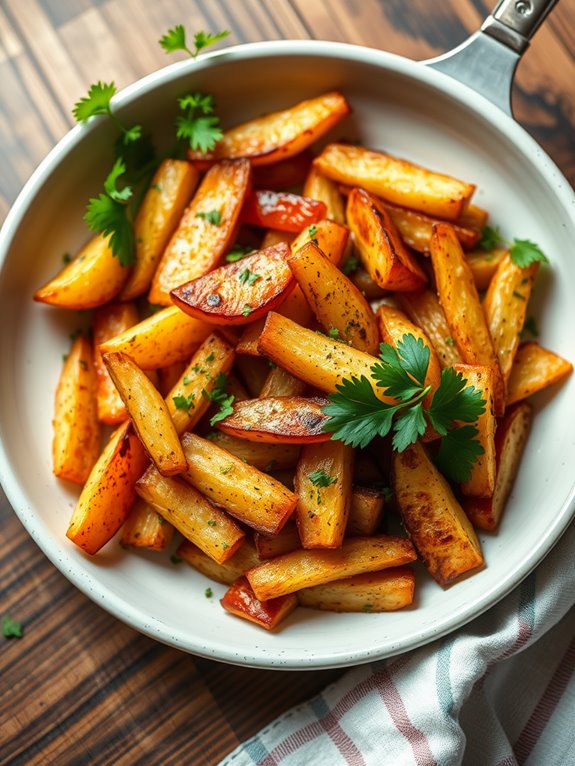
(387, 260)
(149, 413)
(280, 382)
(434, 520)
(395, 180)
(483, 265)
(332, 239)
(415, 229)
(241, 601)
(206, 230)
(109, 493)
(241, 292)
(76, 439)
(365, 512)
(424, 309)
(270, 546)
(146, 528)
(320, 187)
(228, 571)
(384, 591)
(282, 211)
(263, 456)
(279, 135)
(284, 174)
(534, 369)
(167, 196)
(278, 420)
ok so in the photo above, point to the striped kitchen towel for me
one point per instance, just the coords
(498, 692)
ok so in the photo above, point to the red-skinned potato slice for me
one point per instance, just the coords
(93, 278)
(284, 174)
(534, 369)
(395, 180)
(279, 135)
(278, 420)
(241, 601)
(240, 292)
(76, 440)
(382, 251)
(282, 211)
(200, 241)
(109, 492)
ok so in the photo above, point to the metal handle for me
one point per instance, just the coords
(487, 60)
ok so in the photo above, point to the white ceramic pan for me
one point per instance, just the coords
(452, 114)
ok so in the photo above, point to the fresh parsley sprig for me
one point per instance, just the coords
(219, 395)
(198, 125)
(175, 40)
(523, 252)
(357, 415)
(98, 101)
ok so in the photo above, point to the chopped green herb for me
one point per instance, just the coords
(321, 478)
(247, 310)
(225, 469)
(212, 523)
(66, 258)
(449, 340)
(367, 607)
(214, 216)
(530, 327)
(83, 364)
(175, 559)
(352, 264)
(161, 519)
(208, 593)
(248, 276)
(210, 357)
(523, 252)
(182, 402)
(187, 380)
(238, 252)
(11, 628)
(312, 231)
(517, 294)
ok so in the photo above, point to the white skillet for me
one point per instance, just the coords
(411, 109)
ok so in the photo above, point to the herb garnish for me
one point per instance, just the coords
(218, 394)
(238, 252)
(523, 252)
(11, 628)
(175, 40)
(248, 276)
(184, 402)
(198, 125)
(213, 216)
(321, 478)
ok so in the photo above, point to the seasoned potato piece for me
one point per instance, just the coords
(282, 211)
(241, 292)
(110, 492)
(206, 230)
(387, 260)
(323, 484)
(395, 180)
(485, 512)
(162, 207)
(76, 439)
(433, 518)
(166, 337)
(110, 320)
(534, 368)
(241, 601)
(473, 217)
(145, 528)
(149, 413)
(263, 456)
(284, 174)
(423, 308)
(320, 187)
(483, 265)
(190, 513)
(384, 591)
(303, 568)
(247, 494)
(280, 382)
(93, 278)
(228, 571)
(279, 135)
(337, 303)
(332, 239)
(270, 546)
(415, 229)
(365, 512)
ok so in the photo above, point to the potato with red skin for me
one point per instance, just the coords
(278, 420)
(240, 292)
(241, 601)
(282, 211)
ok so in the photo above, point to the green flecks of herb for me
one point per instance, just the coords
(321, 478)
(530, 327)
(187, 380)
(182, 402)
(208, 593)
(219, 396)
(175, 559)
(153, 308)
(225, 546)
(161, 519)
(247, 310)
(518, 295)
(212, 523)
(367, 607)
(247, 276)
(351, 264)
(225, 469)
(98, 101)
(312, 231)
(238, 252)
(213, 216)
(210, 357)
(175, 40)
(11, 628)
(523, 252)
(83, 364)
(449, 340)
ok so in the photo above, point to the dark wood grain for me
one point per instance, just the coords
(80, 687)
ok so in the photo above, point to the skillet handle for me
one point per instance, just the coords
(487, 60)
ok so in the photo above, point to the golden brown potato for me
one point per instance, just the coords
(145, 528)
(206, 230)
(278, 420)
(534, 369)
(270, 546)
(483, 265)
(109, 493)
(415, 229)
(332, 239)
(318, 186)
(433, 518)
(280, 382)
(76, 439)
(162, 207)
(93, 278)
(395, 180)
(228, 571)
(263, 456)
(365, 512)
(384, 591)
(423, 308)
(241, 601)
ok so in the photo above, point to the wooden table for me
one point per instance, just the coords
(80, 687)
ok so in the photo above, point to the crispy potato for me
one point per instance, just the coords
(387, 260)
(110, 320)
(433, 518)
(228, 571)
(324, 500)
(186, 401)
(236, 388)
(482, 481)
(109, 493)
(512, 432)
(284, 174)
(280, 382)
(320, 187)
(145, 528)
(166, 337)
(198, 243)
(423, 308)
(263, 456)
(241, 292)
(483, 265)
(463, 311)
(415, 229)
(190, 513)
(335, 300)
(282, 211)
(167, 196)
(304, 568)
(505, 307)
(365, 512)
(241, 601)
(384, 591)
(534, 368)
(473, 217)
(149, 413)
(395, 180)
(365, 284)
(279, 135)
(247, 494)
(93, 278)
(76, 439)
(274, 237)
(278, 420)
(270, 546)
(253, 373)
(168, 377)
(332, 239)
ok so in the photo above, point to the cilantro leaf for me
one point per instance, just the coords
(11, 628)
(175, 40)
(225, 409)
(247, 276)
(454, 400)
(408, 425)
(392, 377)
(198, 125)
(119, 195)
(132, 134)
(213, 216)
(523, 253)
(97, 101)
(238, 252)
(458, 452)
(110, 218)
(490, 238)
(205, 39)
(184, 402)
(321, 478)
